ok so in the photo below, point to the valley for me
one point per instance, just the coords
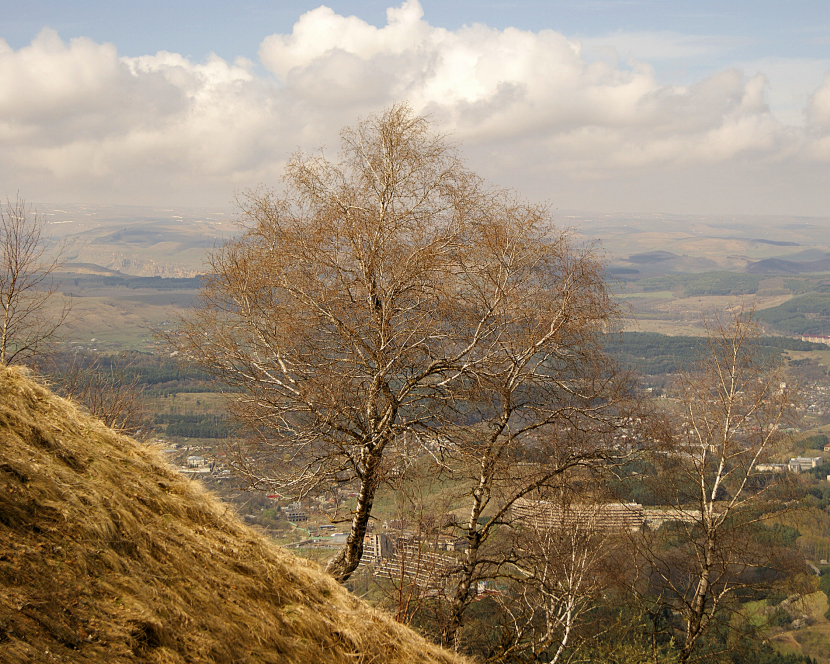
(132, 274)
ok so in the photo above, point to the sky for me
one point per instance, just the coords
(607, 106)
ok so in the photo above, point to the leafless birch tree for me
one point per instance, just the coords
(109, 393)
(563, 569)
(26, 285)
(364, 304)
(543, 397)
(730, 411)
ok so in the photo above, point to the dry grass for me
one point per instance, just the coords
(106, 555)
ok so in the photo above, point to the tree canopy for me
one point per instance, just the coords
(388, 296)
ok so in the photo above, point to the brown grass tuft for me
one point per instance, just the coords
(106, 555)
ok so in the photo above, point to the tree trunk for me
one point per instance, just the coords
(461, 598)
(348, 558)
(698, 606)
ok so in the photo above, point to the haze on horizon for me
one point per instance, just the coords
(612, 107)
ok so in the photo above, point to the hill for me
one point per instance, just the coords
(782, 266)
(804, 314)
(106, 555)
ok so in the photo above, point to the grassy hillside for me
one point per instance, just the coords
(805, 314)
(106, 555)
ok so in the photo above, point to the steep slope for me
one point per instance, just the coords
(106, 555)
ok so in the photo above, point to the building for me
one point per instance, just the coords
(800, 464)
(772, 467)
(413, 562)
(408, 559)
(446, 543)
(654, 517)
(294, 513)
(816, 338)
(377, 547)
(602, 516)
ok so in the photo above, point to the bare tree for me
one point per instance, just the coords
(26, 285)
(730, 409)
(330, 312)
(543, 396)
(551, 402)
(564, 567)
(416, 572)
(110, 393)
(358, 306)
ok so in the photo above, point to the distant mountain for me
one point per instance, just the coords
(617, 269)
(89, 268)
(783, 266)
(138, 241)
(777, 243)
(652, 257)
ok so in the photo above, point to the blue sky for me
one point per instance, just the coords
(755, 28)
(737, 30)
(711, 107)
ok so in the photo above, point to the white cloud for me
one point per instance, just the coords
(818, 108)
(321, 31)
(78, 122)
(791, 83)
(485, 85)
(818, 117)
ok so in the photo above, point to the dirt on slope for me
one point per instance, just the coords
(107, 555)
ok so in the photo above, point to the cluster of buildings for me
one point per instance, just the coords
(405, 558)
(429, 563)
(816, 338)
(815, 400)
(195, 461)
(795, 465)
(547, 515)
